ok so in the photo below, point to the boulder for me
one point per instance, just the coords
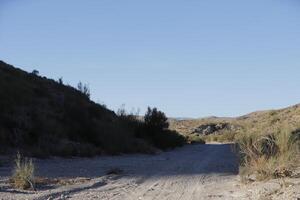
(207, 129)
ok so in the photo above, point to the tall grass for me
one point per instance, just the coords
(268, 143)
(266, 156)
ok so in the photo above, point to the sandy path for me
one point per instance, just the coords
(193, 172)
(182, 174)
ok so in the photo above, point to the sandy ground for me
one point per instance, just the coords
(193, 172)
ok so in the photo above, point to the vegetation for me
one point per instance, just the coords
(268, 141)
(225, 136)
(23, 175)
(83, 88)
(265, 156)
(42, 117)
(153, 129)
(195, 140)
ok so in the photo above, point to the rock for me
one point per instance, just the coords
(207, 129)
(252, 178)
(282, 173)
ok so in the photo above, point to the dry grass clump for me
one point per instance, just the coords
(193, 139)
(268, 156)
(224, 136)
(23, 175)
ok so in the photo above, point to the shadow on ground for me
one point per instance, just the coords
(186, 161)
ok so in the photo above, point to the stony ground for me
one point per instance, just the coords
(193, 172)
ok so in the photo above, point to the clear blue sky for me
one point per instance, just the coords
(189, 58)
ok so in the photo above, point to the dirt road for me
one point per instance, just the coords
(193, 172)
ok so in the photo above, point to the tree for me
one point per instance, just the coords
(155, 119)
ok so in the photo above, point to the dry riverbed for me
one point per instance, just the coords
(193, 172)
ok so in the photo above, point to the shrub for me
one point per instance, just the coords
(130, 119)
(23, 175)
(84, 89)
(35, 72)
(195, 140)
(267, 146)
(168, 139)
(156, 120)
(155, 131)
(295, 138)
(268, 156)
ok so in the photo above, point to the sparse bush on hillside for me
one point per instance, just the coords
(23, 175)
(84, 89)
(131, 119)
(35, 72)
(60, 81)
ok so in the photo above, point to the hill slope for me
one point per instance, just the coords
(260, 121)
(45, 117)
(268, 141)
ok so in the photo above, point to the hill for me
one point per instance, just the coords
(41, 117)
(268, 142)
(260, 121)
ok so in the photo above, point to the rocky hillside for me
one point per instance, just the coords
(261, 120)
(203, 127)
